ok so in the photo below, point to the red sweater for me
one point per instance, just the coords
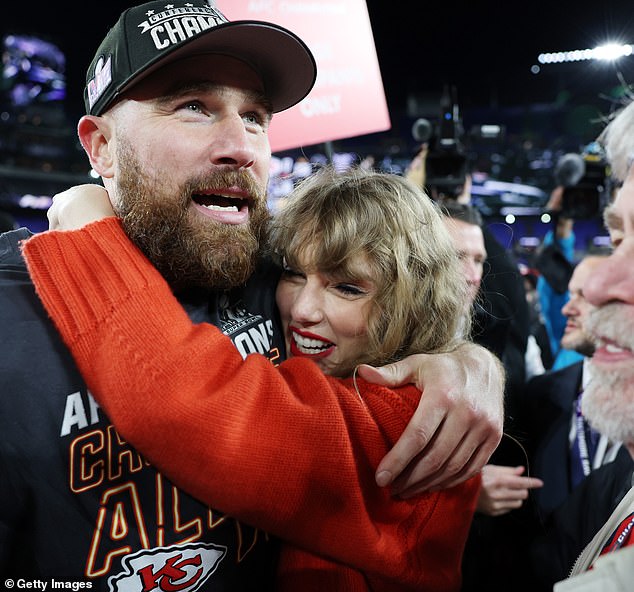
(286, 449)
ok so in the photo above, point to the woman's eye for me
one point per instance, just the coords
(350, 289)
(291, 272)
(288, 272)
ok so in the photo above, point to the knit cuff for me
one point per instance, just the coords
(77, 278)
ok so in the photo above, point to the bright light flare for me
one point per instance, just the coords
(611, 51)
(608, 52)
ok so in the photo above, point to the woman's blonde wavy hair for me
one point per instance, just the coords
(420, 302)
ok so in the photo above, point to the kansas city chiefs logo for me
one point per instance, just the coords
(168, 569)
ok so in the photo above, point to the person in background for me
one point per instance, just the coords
(502, 320)
(464, 224)
(552, 282)
(178, 104)
(504, 488)
(590, 536)
(365, 256)
(564, 448)
(538, 355)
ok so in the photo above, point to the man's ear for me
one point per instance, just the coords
(95, 135)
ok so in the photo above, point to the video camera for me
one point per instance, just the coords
(446, 162)
(586, 181)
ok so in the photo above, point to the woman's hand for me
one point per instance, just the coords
(78, 206)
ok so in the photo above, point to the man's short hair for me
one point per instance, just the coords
(464, 212)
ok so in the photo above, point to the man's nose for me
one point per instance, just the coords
(611, 280)
(472, 272)
(232, 144)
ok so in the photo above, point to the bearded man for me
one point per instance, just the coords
(178, 106)
(591, 543)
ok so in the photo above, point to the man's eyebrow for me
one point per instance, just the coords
(182, 89)
(613, 220)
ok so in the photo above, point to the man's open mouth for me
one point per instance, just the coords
(221, 202)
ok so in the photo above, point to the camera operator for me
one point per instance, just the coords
(581, 189)
(555, 263)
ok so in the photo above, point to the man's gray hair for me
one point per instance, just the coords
(618, 140)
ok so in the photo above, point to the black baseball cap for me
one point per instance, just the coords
(151, 35)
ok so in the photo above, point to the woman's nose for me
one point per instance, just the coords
(307, 306)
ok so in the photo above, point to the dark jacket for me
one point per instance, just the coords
(502, 319)
(573, 524)
(549, 400)
(76, 502)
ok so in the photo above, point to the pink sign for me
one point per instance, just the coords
(348, 98)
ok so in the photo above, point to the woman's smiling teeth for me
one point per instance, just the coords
(307, 345)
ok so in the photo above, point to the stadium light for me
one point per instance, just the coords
(607, 53)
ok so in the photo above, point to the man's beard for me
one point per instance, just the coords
(189, 250)
(608, 400)
(579, 341)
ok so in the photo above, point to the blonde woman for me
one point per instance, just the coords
(369, 276)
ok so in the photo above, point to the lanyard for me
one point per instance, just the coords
(582, 438)
(621, 536)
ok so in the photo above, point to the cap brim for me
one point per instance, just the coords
(284, 62)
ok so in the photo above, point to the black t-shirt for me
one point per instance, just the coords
(77, 503)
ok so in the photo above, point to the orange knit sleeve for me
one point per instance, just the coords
(288, 450)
